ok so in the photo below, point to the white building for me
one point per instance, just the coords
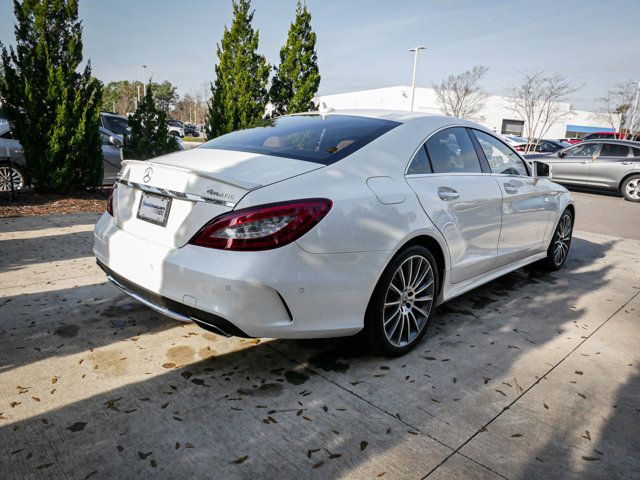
(495, 115)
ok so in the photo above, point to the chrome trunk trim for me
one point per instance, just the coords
(191, 197)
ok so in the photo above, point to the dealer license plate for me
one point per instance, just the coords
(154, 208)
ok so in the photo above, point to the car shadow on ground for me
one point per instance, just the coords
(323, 408)
(63, 322)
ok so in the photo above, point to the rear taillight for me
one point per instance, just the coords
(519, 148)
(263, 227)
(110, 200)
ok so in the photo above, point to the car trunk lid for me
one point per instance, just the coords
(168, 199)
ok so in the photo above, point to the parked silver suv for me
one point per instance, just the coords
(610, 164)
(12, 158)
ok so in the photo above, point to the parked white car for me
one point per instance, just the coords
(320, 225)
(175, 128)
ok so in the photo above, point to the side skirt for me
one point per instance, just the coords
(452, 290)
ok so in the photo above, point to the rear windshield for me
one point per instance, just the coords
(313, 138)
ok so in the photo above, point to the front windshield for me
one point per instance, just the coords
(312, 137)
(117, 125)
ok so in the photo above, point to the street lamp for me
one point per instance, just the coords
(142, 78)
(415, 50)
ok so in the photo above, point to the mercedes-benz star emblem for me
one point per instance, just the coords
(147, 174)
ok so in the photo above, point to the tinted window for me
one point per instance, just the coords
(306, 137)
(420, 163)
(636, 152)
(8, 134)
(501, 158)
(105, 138)
(614, 150)
(584, 150)
(117, 125)
(451, 151)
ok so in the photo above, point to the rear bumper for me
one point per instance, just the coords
(280, 293)
(171, 308)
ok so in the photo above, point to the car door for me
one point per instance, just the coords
(611, 164)
(111, 158)
(571, 165)
(10, 148)
(461, 199)
(525, 202)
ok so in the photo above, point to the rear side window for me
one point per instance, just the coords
(502, 159)
(420, 163)
(451, 151)
(636, 152)
(614, 150)
(8, 134)
(584, 150)
(312, 137)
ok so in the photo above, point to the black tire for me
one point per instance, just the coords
(561, 240)
(18, 174)
(630, 188)
(409, 306)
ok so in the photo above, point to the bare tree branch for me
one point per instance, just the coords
(615, 106)
(460, 95)
(541, 101)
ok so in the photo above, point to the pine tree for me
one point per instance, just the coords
(149, 135)
(239, 92)
(297, 78)
(53, 107)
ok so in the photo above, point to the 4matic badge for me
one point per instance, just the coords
(226, 196)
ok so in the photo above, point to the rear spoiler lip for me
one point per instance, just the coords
(210, 176)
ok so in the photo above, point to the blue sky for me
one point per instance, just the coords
(364, 44)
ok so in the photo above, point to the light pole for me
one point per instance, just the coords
(142, 78)
(415, 51)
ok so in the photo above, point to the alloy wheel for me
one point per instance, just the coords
(408, 301)
(562, 239)
(632, 189)
(9, 175)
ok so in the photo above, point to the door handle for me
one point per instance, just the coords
(510, 188)
(627, 163)
(446, 193)
(584, 162)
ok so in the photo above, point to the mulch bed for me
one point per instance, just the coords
(29, 204)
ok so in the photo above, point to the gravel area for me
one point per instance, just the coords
(29, 204)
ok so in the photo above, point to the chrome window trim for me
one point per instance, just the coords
(191, 197)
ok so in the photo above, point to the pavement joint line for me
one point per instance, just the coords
(480, 464)
(45, 283)
(484, 427)
(359, 397)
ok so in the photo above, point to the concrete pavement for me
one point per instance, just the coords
(534, 375)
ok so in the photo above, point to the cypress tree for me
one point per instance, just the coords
(239, 92)
(149, 135)
(53, 107)
(296, 80)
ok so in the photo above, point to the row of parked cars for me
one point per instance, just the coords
(601, 160)
(113, 128)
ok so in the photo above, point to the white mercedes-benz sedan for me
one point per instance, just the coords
(329, 224)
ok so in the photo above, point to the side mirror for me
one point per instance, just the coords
(115, 141)
(541, 170)
(561, 154)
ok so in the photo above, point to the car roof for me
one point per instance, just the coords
(111, 114)
(629, 143)
(399, 116)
